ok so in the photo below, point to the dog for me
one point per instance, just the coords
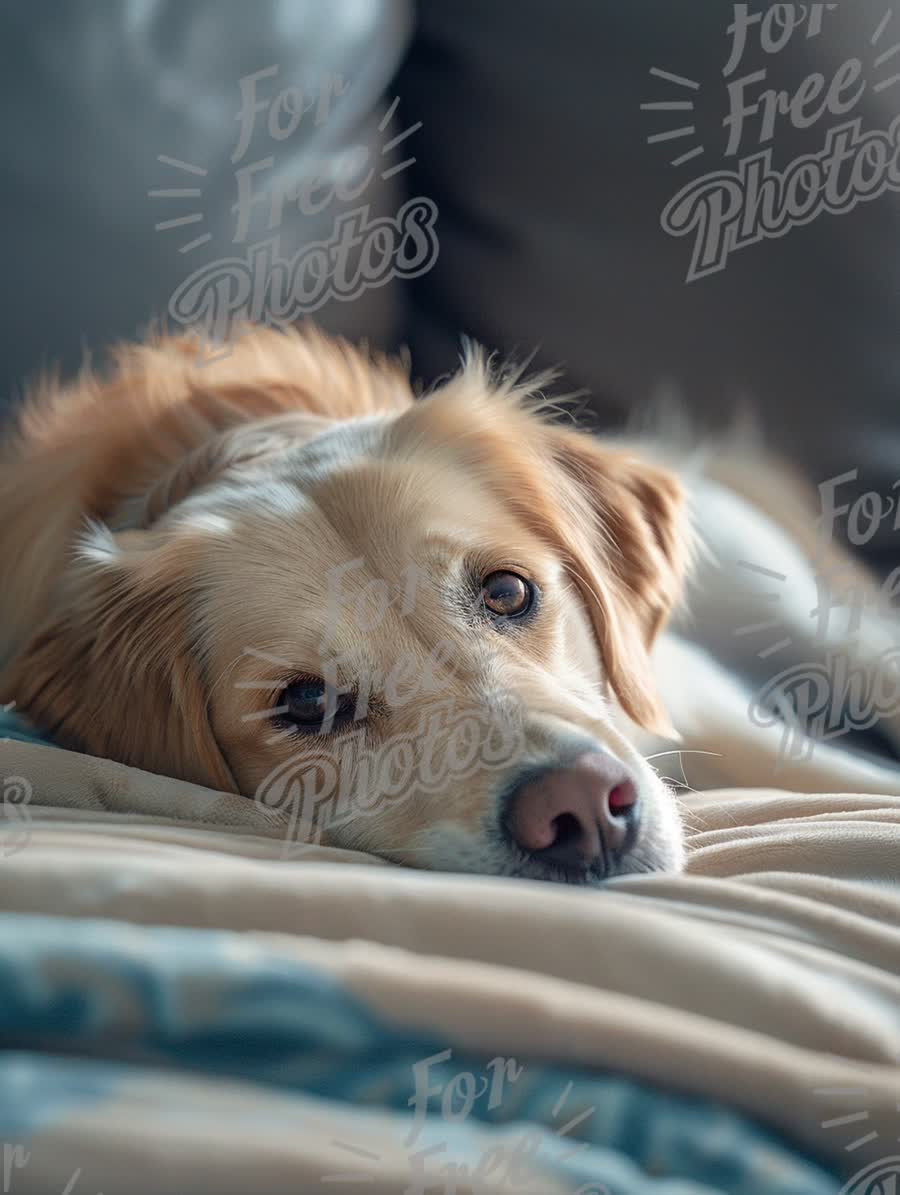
(435, 624)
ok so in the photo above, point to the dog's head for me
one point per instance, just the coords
(424, 627)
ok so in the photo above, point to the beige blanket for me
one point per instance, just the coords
(767, 976)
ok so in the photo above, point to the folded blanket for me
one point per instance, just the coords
(736, 1028)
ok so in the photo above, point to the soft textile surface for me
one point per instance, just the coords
(733, 1029)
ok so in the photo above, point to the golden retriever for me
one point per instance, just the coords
(429, 623)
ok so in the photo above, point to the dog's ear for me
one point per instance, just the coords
(621, 526)
(114, 670)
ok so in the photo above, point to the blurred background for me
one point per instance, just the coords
(631, 192)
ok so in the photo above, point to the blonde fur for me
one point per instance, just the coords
(173, 519)
(173, 530)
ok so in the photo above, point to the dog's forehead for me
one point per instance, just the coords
(376, 493)
(394, 493)
(350, 496)
(352, 519)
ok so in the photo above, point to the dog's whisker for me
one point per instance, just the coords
(685, 786)
(683, 751)
(717, 805)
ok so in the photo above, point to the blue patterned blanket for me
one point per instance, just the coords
(93, 1011)
(145, 1049)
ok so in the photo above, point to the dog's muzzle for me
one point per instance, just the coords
(579, 817)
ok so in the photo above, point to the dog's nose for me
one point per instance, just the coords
(576, 816)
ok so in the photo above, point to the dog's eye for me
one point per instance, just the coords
(310, 705)
(507, 594)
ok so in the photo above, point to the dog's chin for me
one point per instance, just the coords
(646, 862)
(640, 862)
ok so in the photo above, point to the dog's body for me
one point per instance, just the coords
(436, 624)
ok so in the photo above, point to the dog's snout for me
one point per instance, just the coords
(575, 816)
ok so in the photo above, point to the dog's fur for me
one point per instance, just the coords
(181, 540)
